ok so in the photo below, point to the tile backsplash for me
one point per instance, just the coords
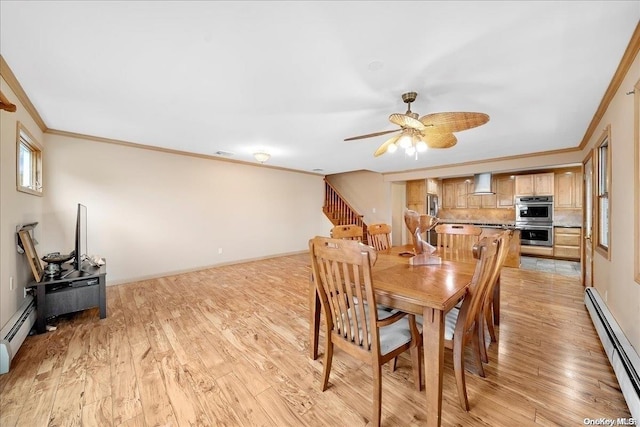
(478, 215)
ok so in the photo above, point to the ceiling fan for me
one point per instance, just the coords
(430, 131)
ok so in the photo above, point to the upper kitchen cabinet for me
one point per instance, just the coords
(416, 195)
(568, 189)
(454, 193)
(539, 184)
(432, 186)
(457, 193)
(505, 190)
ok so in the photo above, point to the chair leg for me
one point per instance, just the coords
(458, 367)
(416, 366)
(328, 359)
(393, 363)
(478, 346)
(488, 314)
(416, 344)
(482, 346)
(377, 395)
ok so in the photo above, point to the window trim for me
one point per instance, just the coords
(605, 138)
(24, 136)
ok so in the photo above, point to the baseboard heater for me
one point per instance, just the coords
(16, 330)
(622, 356)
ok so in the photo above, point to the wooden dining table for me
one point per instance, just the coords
(427, 290)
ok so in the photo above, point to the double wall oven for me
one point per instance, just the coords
(534, 219)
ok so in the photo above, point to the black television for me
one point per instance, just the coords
(81, 237)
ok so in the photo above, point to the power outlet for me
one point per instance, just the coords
(606, 296)
(11, 286)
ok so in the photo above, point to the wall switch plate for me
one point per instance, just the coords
(11, 283)
(219, 251)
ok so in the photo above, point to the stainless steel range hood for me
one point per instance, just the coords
(482, 183)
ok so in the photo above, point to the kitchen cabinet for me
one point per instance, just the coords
(432, 186)
(416, 195)
(540, 184)
(566, 242)
(480, 201)
(568, 190)
(448, 194)
(454, 193)
(461, 192)
(505, 189)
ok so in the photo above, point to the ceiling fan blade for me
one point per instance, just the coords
(383, 148)
(406, 121)
(453, 122)
(439, 140)
(370, 135)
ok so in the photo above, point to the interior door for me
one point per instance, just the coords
(587, 223)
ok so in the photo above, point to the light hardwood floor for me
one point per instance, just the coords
(228, 347)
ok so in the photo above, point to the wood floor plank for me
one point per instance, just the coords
(227, 346)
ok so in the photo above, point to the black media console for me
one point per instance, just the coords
(69, 292)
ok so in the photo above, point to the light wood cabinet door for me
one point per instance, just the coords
(432, 186)
(448, 195)
(539, 184)
(417, 195)
(461, 194)
(524, 185)
(543, 184)
(504, 192)
(568, 190)
(564, 196)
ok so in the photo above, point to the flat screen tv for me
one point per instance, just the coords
(81, 237)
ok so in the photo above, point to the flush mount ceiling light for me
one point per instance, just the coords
(431, 131)
(261, 156)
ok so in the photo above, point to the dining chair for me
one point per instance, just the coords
(379, 236)
(349, 231)
(456, 237)
(342, 276)
(462, 322)
(504, 241)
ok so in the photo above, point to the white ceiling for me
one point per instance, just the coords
(296, 78)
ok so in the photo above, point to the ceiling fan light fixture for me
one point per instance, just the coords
(261, 156)
(405, 140)
(392, 148)
(411, 150)
(421, 146)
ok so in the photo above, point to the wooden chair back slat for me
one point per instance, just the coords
(457, 237)
(379, 236)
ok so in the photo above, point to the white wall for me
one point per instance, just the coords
(367, 193)
(614, 278)
(153, 213)
(15, 207)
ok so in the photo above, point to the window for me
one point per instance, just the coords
(603, 183)
(29, 163)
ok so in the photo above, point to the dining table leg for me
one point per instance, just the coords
(314, 321)
(433, 344)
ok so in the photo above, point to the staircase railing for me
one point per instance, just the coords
(339, 211)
